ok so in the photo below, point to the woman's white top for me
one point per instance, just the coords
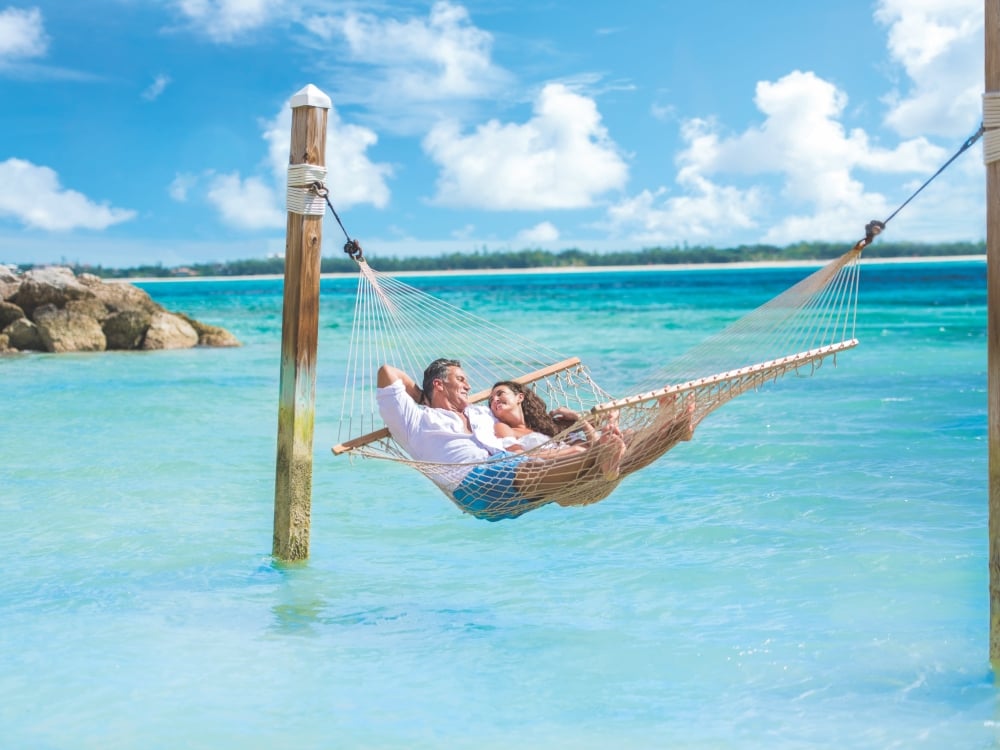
(526, 442)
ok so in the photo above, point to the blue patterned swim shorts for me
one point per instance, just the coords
(488, 490)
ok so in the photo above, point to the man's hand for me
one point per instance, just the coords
(387, 375)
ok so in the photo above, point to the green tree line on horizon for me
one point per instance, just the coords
(537, 258)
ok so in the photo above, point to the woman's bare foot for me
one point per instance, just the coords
(612, 451)
(680, 427)
(688, 432)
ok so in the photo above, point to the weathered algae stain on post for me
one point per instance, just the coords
(293, 485)
(293, 488)
(299, 334)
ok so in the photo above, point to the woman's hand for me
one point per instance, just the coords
(564, 414)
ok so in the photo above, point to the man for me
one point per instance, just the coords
(448, 430)
(451, 430)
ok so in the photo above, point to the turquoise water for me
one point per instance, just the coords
(809, 572)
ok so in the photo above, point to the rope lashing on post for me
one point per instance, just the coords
(991, 126)
(308, 195)
(303, 196)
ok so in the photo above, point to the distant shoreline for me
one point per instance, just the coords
(741, 265)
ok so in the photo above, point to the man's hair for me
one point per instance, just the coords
(436, 370)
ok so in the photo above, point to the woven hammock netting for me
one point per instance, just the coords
(399, 325)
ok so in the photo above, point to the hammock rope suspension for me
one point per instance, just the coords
(396, 323)
(793, 333)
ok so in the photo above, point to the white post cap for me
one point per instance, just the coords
(310, 96)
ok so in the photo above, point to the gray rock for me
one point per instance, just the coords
(169, 331)
(92, 307)
(53, 285)
(10, 282)
(65, 330)
(209, 335)
(126, 329)
(118, 296)
(23, 334)
(9, 312)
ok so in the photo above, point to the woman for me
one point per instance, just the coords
(524, 423)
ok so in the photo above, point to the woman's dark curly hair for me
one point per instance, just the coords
(536, 413)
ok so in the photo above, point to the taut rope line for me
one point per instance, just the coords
(964, 147)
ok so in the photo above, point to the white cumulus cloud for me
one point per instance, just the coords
(258, 201)
(704, 213)
(32, 195)
(539, 234)
(249, 203)
(802, 142)
(441, 56)
(561, 158)
(352, 177)
(939, 44)
(181, 186)
(22, 34)
(408, 70)
(227, 20)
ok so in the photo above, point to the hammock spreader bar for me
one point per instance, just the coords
(759, 373)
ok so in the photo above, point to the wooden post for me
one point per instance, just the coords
(992, 79)
(299, 331)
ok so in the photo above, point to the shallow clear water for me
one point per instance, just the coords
(809, 572)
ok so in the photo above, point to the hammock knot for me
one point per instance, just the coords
(353, 249)
(872, 230)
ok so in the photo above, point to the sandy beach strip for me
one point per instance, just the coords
(741, 265)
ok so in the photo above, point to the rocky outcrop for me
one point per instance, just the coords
(52, 310)
(66, 330)
(211, 335)
(125, 329)
(169, 331)
(47, 286)
(23, 335)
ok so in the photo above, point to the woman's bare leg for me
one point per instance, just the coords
(545, 476)
(669, 427)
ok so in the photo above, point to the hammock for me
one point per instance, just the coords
(400, 325)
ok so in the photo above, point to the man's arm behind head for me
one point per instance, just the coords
(387, 375)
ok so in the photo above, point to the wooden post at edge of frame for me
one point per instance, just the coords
(992, 80)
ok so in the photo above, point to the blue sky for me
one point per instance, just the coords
(157, 131)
